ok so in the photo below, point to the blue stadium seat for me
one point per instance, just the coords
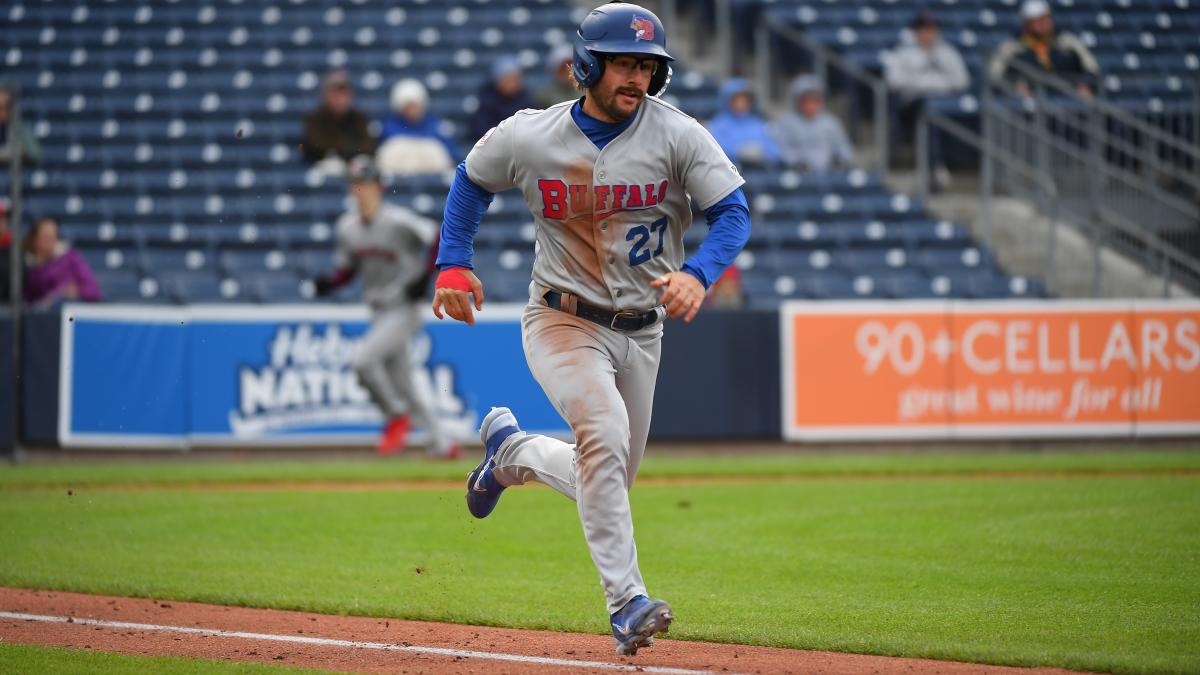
(98, 235)
(102, 258)
(276, 288)
(197, 286)
(906, 284)
(506, 272)
(169, 261)
(936, 260)
(250, 261)
(129, 287)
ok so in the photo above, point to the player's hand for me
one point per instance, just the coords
(455, 287)
(683, 296)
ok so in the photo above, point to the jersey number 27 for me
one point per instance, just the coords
(640, 236)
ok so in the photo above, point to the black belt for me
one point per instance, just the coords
(623, 320)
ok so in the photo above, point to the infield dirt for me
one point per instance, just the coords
(424, 644)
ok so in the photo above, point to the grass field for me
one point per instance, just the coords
(54, 661)
(822, 464)
(955, 556)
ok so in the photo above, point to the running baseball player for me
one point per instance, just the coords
(610, 180)
(390, 247)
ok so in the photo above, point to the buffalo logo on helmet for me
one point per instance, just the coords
(643, 28)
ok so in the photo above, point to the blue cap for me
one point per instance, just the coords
(503, 66)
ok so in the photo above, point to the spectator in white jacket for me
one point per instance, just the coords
(411, 140)
(924, 64)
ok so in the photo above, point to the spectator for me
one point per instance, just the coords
(561, 86)
(31, 151)
(1038, 45)
(809, 138)
(6, 239)
(727, 292)
(335, 131)
(53, 270)
(924, 64)
(501, 97)
(743, 135)
(411, 141)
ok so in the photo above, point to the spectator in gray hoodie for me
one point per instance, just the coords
(808, 136)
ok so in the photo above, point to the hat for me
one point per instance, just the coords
(806, 84)
(408, 91)
(362, 169)
(503, 66)
(1034, 9)
(335, 79)
(925, 19)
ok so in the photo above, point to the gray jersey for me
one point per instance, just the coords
(608, 221)
(389, 253)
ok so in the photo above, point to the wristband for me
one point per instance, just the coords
(454, 279)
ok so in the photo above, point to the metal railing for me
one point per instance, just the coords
(1126, 182)
(1039, 183)
(821, 60)
(12, 154)
(1150, 143)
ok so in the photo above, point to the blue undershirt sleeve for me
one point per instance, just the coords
(728, 231)
(465, 206)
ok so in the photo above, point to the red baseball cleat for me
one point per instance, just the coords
(395, 434)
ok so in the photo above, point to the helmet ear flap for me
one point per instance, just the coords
(586, 68)
(660, 79)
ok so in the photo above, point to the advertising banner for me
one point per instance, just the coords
(136, 376)
(952, 369)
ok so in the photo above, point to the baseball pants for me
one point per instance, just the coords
(602, 383)
(385, 368)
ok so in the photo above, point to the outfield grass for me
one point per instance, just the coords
(53, 660)
(1097, 573)
(657, 465)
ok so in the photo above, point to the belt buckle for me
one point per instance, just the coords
(628, 313)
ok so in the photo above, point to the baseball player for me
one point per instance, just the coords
(390, 247)
(610, 180)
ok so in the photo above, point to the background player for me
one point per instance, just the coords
(391, 247)
(610, 180)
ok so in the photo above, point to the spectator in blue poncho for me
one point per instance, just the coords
(411, 140)
(742, 133)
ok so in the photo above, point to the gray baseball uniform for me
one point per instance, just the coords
(609, 221)
(390, 253)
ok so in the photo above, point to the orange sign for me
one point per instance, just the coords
(990, 369)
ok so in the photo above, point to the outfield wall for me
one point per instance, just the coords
(252, 375)
(7, 373)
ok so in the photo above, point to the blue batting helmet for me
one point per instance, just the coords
(620, 28)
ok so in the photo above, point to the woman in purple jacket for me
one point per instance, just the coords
(53, 270)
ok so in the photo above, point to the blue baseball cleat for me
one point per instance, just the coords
(483, 490)
(634, 625)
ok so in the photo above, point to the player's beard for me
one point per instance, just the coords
(612, 104)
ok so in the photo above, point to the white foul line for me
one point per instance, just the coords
(329, 642)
